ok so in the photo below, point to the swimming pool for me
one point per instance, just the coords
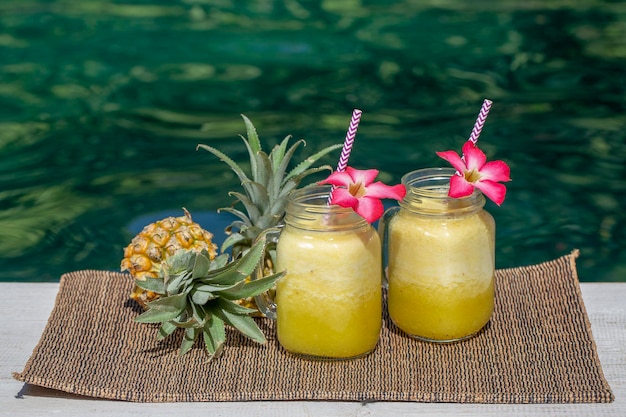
(102, 105)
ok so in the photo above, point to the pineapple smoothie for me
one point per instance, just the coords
(329, 303)
(441, 273)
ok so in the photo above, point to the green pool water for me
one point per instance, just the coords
(102, 105)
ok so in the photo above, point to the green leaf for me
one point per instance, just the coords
(236, 169)
(175, 284)
(238, 213)
(166, 329)
(192, 322)
(252, 288)
(220, 261)
(310, 171)
(304, 165)
(200, 266)
(163, 309)
(198, 314)
(214, 333)
(281, 170)
(201, 297)
(253, 137)
(181, 261)
(263, 169)
(156, 285)
(251, 259)
(157, 316)
(245, 324)
(223, 304)
(189, 338)
(223, 280)
(278, 153)
(253, 211)
(258, 197)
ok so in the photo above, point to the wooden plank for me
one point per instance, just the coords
(25, 308)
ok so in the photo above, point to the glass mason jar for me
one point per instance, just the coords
(441, 259)
(329, 303)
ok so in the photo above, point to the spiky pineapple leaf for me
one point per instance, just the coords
(200, 266)
(189, 338)
(166, 329)
(180, 262)
(250, 260)
(253, 137)
(236, 168)
(176, 284)
(156, 285)
(223, 280)
(214, 334)
(253, 211)
(219, 261)
(264, 171)
(278, 153)
(252, 288)
(245, 324)
(201, 297)
(163, 309)
(258, 197)
(237, 213)
(304, 165)
(185, 324)
(223, 304)
(281, 170)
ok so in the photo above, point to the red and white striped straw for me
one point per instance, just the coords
(347, 144)
(480, 121)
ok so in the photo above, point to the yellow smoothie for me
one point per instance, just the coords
(329, 302)
(441, 272)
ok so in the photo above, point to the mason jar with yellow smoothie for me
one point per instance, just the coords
(329, 303)
(441, 259)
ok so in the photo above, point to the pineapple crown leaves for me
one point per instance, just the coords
(199, 295)
(267, 187)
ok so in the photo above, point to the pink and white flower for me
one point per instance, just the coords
(356, 189)
(473, 171)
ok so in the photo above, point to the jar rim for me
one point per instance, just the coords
(433, 184)
(308, 207)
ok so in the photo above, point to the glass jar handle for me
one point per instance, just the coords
(267, 266)
(383, 226)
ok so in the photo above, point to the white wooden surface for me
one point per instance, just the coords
(24, 310)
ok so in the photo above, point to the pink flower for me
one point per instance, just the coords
(356, 189)
(475, 171)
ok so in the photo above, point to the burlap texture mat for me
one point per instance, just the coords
(538, 348)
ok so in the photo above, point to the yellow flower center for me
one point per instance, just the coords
(472, 176)
(357, 189)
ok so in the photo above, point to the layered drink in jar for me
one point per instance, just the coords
(329, 303)
(441, 260)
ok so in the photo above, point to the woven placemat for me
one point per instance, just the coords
(538, 348)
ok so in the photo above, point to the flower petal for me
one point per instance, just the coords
(371, 209)
(474, 157)
(364, 176)
(460, 187)
(497, 171)
(338, 179)
(495, 191)
(380, 190)
(454, 159)
(343, 198)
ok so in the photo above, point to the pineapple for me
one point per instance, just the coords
(144, 256)
(266, 190)
(199, 294)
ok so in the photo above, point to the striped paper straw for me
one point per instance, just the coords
(347, 144)
(480, 121)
